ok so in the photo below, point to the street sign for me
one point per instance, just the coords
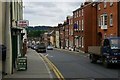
(23, 23)
(22, 63)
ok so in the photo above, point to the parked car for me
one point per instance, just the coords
(41, 48)
(50, 48)
(32, 46)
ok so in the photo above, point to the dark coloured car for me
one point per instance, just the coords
(41, 48)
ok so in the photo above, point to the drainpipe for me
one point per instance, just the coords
(8, 67)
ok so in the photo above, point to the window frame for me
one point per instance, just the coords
(105, 4)
(111, 20)
(103, 25)
(82, 25)
(111, 3)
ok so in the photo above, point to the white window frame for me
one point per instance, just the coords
(82, 42)
(111, 2)
(77, 40)
(79, 13)
(103, 25)
(79, 24)
(111, 20)
(82, 12)
(105, 4)
(82, 25)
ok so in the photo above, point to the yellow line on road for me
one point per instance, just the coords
(53, 67)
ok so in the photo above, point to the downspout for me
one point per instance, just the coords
(8, 67)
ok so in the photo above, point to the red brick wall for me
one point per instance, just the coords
(110, 9)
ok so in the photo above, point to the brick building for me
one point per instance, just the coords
(71, 37)
(85, 26)
(66, 33)
(62, 36)
(108, 15)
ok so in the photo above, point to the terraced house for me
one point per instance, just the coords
(12, 35)
(84, 26)
(108, 15)
(71, 37)
(90, 24)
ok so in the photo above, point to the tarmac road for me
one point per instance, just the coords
(79, 66)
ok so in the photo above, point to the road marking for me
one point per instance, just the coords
(46, 66)
(53, 67)
(46, 55)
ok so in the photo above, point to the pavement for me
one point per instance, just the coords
(37, 68)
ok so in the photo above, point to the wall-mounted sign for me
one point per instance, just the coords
(23, 23)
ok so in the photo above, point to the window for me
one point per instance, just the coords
(111, 2)
(82, 25)
(105, 4)
(77, 42)
(111, 20)
(79, 25)
(99, 23)
(79, 13)
(82, 42)
(69, 32)
(82, 12)
(98, 6)
(104, 22)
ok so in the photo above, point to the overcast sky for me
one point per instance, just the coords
(48, 13)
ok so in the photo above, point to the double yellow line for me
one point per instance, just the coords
(53, 67)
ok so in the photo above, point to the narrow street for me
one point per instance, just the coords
(79, 66)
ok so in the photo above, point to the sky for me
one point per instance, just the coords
(48, 13)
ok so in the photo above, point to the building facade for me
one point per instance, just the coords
(108, 20)
(71, 29)
(84, 19)
(12, 37)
